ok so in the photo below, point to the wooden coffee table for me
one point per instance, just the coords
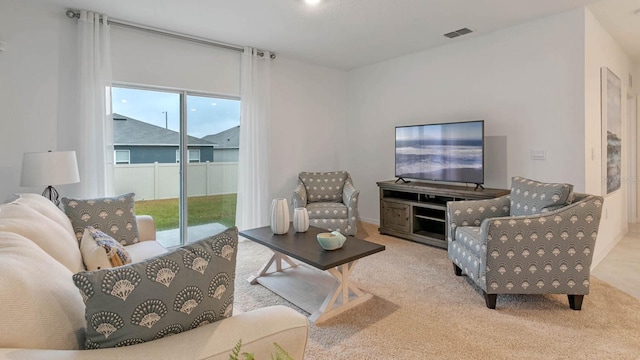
(318, 294)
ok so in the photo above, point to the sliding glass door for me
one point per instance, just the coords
(178, 152)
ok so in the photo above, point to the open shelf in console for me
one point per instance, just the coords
(435, 199)
(401, 195)
(417, 210)
(429, 213)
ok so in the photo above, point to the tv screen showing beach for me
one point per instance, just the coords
(441, 152)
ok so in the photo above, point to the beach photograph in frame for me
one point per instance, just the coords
(611, 98)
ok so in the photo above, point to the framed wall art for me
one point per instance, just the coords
(611, 97)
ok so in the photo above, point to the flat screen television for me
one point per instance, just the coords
(452, 152)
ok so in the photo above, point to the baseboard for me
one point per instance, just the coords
(596, 260)
(371, 221)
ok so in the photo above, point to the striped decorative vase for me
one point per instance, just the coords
(300, 219)
(279, 216)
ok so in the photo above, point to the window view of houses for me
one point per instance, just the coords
(147, 137)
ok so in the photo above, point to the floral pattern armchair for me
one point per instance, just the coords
(546, 251)
(330, 199)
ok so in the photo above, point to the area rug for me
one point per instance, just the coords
(421, 310)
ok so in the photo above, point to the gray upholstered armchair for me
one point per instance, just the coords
(330, 199)
(537, 240)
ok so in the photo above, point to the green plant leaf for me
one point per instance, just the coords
(281, 354)
(236, 351)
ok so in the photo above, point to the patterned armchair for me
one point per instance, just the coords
(537, 240)
(330, 199)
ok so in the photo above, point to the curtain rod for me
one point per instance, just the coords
(126, 24)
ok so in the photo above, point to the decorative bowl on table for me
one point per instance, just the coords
(331, 241)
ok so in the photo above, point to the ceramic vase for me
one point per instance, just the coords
(279, 216)
(300, 219)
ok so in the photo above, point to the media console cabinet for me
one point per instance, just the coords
(417, 210)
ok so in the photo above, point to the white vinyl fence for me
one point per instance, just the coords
(162, 181)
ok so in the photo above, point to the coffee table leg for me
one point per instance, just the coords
(343, 296)
(277, 258)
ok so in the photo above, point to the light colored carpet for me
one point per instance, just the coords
(421, 310)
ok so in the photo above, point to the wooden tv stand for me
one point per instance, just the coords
(417, 210)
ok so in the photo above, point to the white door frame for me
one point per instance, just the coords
(634, 159)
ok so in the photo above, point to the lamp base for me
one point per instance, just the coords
(52, 194)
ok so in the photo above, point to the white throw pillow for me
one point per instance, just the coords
(101, 251)
(41, 307)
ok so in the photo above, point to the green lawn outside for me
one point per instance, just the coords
(202, 210)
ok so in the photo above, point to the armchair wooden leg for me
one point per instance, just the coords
(575, 301)
(457, 270)
(490, 300)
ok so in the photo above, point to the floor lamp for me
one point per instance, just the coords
(49, 168)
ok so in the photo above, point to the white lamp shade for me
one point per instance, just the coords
(49, 168)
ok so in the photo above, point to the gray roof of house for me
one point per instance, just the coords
(229, 138)
(128, 131)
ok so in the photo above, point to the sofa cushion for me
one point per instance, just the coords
(324, 186)
(41, 309)
(144, 250)
(113, 215)
(51, 237)
(327, 211)
(161, 296)
(47, 208)
(529, 197)
(101, 251)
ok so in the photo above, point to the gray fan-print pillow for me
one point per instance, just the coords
(115, 216)
(529, 197)
(161, 296)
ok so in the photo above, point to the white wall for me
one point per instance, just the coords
(602, 50)
(36, 73)
(308, 117)
(308, 102)
(526, 82)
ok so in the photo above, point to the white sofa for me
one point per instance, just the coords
(42, 312)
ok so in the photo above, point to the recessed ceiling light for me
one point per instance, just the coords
(193, 109)
(213, 104)
(124, 101)
(312, 2)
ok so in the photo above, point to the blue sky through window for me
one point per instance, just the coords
(205, 115)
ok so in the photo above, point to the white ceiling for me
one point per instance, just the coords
(617, 17)
(347, 33)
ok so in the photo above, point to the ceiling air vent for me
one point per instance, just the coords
(458, 32)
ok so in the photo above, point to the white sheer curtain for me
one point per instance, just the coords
(90, 132)
(253, 163)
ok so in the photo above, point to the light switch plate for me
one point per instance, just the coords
(3, 45)
(538, 154)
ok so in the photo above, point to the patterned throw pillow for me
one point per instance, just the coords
(113, 215)
(161, 296)
(530, 197)
(101, 251)
(324, 186)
